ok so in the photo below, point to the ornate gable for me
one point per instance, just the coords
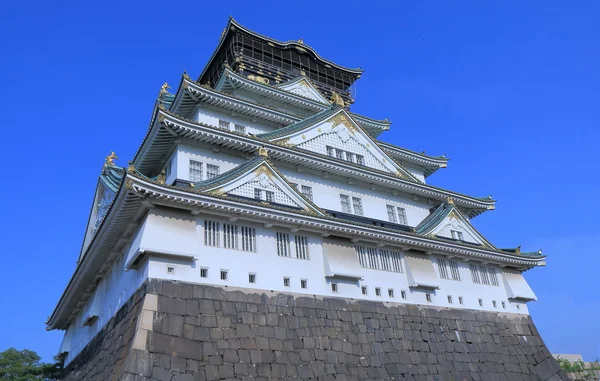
(304, 88)
(334, 133)
(448, 222)
(258, 180)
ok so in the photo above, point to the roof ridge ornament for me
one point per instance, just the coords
(110, 159)
(337, 99)
(162, 177)
(165, 88)
(262, 151)
(518, 250)
(450, 200)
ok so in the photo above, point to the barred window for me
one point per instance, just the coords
(339, 154)
(474, 273)
(403, 294)
(240, 128)
(377, 291)
(204, 272)
(283, 244)
(212, 171)
(258, 193)
(364, 290)
(211, 233)
(402, 216)
(334, 287)
(457, 235)
(307, 191)
(195, 173)
(224, 123)
(269, 196)
(483, 275)
(391, 213)
(330, 151)
(303, 283)
(443, 268)
(349, 156)
(301, 247)
(391, 292)
(493, 276)
(371, 258)
(357, 203)
(251, 278)
(360, 160)
(230, 236)
(248, 239)
(345, 200)
(223, 274)
(454, 270)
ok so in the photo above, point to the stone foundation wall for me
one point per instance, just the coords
(185, 332)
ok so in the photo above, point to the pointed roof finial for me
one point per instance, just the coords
(301, 40)
(110, 159)
(262, 151)
(450, 201)
(518, 250)
(164, 88)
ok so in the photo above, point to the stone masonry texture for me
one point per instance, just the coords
(174, 331)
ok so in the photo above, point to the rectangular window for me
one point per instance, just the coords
(330, 151)
(357, 203)
(195, 173)
(269, 196)
(230, 236)
(371, 258)
(303, 283)
(203, 273)
(484, 275)
(494, 303)
(450, 299)
(460, 300)
(474, 274)
(454, 270)
(170, 270)
(428, 297)
(283, 244)
(211, 233)
(168, 169)
(339, 154)
(504, 305)
(364, 290)
(241, 129)
(223, 274)
(212, 171)
(493, 276)
(391, 292)
(301, 247)
(345, 200)
(457, 235)
(480, 302)
(307, 191)
(377, 291)
(224, 124)
(442, 268)
(349, 156)
(391, 213)
(360, 160)
(334, 287)
(403, 294)
(402, 216)
(251, 278)
(257, 193)
(286, 282)
(248, 239)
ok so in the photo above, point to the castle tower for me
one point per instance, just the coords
(265, 231)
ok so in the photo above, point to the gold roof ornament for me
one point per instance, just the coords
(110, 159)
(301, 40)
(162, 177)
(337, 99)
(130, 167)
(262, 151)
(450, 201)
(518, 250)
(164, 88)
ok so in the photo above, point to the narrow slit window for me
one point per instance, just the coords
(403, 294)
(334, 287)
(391, 292)
(203, 273)
(171, 270)
(428, 297)
(251, 278)
(480, 302)
(224, 274)
(449, 299)
(460, 300)
(494, 303)
(504, 305)
(364, 290)
(377, 291)
(303, 283)
(286, 282)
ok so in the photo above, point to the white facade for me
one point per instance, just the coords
(432, 255)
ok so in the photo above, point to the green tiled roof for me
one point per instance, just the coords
(294, 127)
(232, 174)
(112, 176)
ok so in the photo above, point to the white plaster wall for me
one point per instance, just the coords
(416, 172)
(205, 154)
(270, 269)
(211, 117)
(118, 285)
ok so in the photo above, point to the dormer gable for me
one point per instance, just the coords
(258, 180)
(302, 86)
(333, 132)
(447, 222)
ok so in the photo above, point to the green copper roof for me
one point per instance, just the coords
(232, 174)
(112, 176)
(294, 127)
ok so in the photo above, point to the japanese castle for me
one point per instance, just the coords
(258, 176)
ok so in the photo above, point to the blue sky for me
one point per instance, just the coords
(507, 90)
